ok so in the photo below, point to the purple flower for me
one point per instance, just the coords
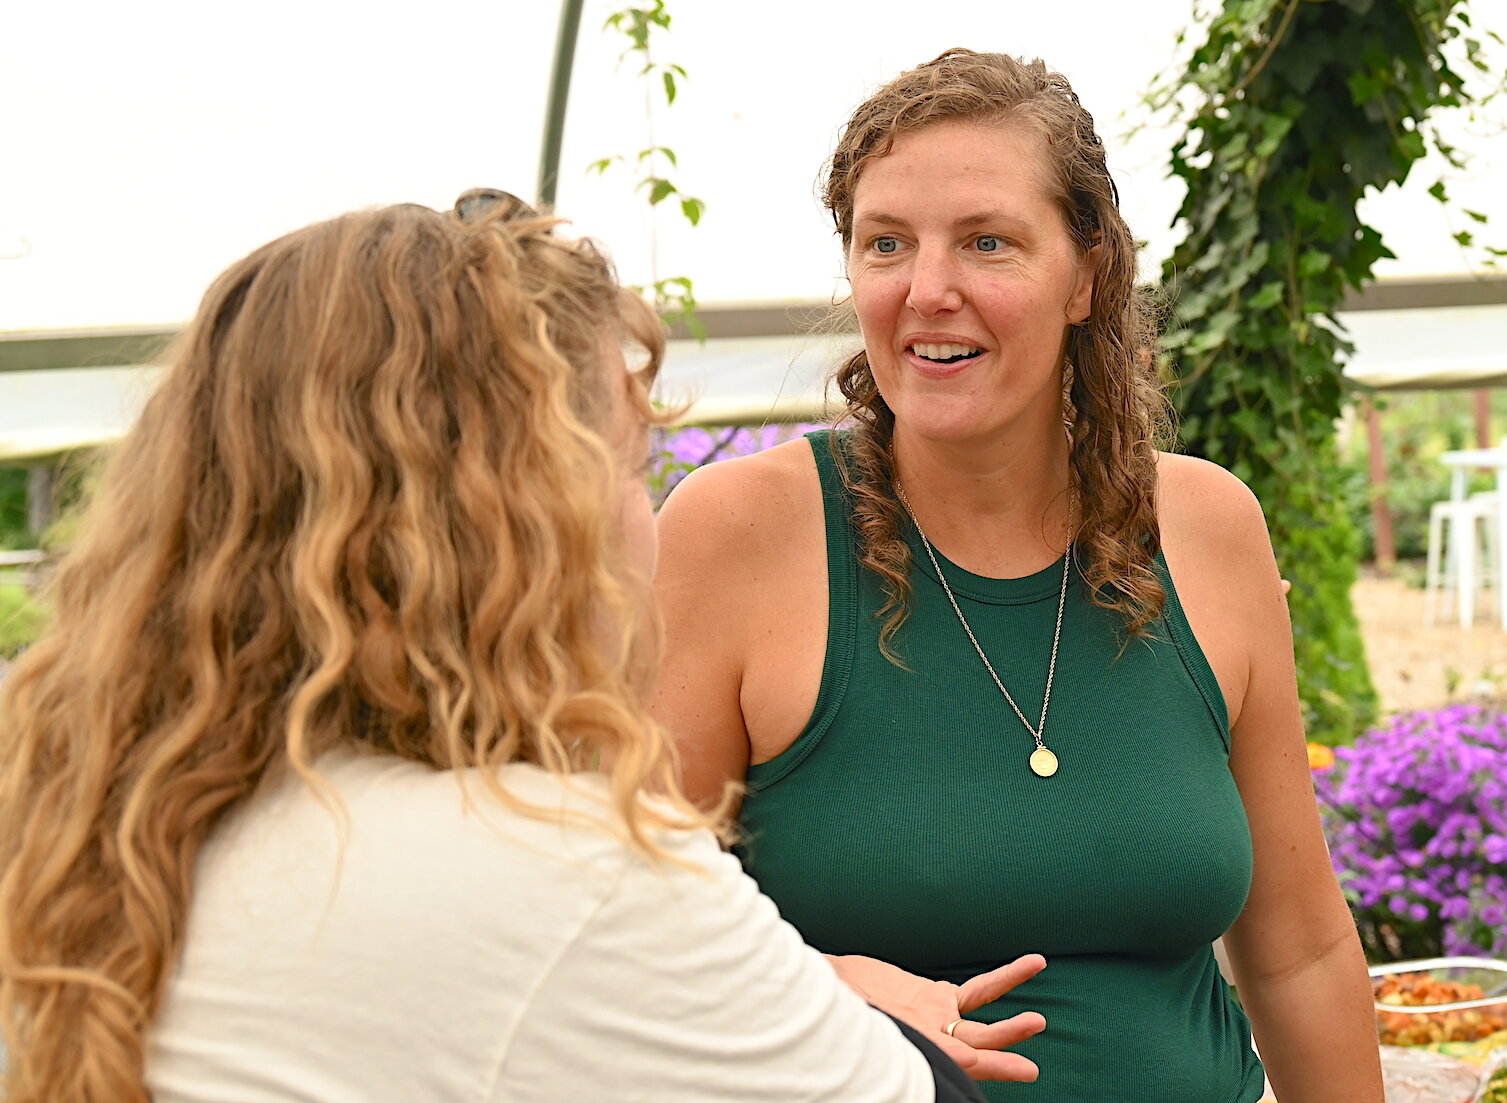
(1416, 818)
(680, 451)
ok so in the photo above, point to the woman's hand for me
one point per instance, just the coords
(932, 1005)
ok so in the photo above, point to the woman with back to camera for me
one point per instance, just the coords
(300, 794)
(1000, 676)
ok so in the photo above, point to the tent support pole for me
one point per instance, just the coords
(559, 93)
(1381, 513)
(41, 497)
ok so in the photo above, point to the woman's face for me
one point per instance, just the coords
(965, 281)
(628, 435)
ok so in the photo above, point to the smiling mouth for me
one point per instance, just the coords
(945, 353)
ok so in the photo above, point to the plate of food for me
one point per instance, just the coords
(1442, 1025)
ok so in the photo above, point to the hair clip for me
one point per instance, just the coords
(479, 204)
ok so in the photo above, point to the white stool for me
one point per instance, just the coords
(1471, 557)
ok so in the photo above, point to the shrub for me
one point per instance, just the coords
(13, 532)
(21, 620)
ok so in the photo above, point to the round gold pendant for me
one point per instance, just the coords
(1043, 762)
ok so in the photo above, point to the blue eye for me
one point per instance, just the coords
(988, 244)
(885, 245)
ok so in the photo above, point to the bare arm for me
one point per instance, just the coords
(700, 583)
(743, 592)
(1294, 951)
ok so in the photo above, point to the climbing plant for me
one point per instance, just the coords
(674, 296)
(1294, 111)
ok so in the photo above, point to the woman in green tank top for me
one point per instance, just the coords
(998, 688)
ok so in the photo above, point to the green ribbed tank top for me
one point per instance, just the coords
(905, 823)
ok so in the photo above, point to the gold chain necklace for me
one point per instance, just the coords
(1043, 761)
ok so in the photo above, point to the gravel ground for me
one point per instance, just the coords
(1415, 666)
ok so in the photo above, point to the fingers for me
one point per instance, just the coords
(990, 986)
(1003, 1034)
(987, 1064)
(1004, 1066)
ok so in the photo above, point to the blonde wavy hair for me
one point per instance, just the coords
(366, 509)
(1113, 399)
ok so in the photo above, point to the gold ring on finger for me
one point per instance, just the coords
(951, 1027)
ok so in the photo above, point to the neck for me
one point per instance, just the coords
(1002, 508)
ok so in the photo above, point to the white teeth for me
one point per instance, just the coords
(944, 351)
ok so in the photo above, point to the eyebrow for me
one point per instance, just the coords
(980, 218)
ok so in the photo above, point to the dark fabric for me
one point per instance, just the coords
(953, 1085)
(904, 822)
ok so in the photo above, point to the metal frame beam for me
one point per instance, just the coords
(40, 350)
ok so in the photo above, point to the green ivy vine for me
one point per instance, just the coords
(674, 296)
(1295, 110)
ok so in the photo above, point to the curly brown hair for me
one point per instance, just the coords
(1113, 399)
(365, 509)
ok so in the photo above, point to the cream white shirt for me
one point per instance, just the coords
(453, 953)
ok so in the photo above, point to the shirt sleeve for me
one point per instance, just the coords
(687, 985)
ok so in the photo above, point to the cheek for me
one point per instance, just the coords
(1023, 306)
(640, 534)
(877, 297)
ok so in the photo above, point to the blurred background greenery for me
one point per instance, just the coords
(1417, 427)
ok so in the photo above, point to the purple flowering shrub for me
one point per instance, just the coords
(1416, 817)
(680, 451)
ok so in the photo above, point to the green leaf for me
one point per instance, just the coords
(1363, 87)
(1474, 216)
(660, 190)
(669, 79)
(1312, 262)
(1269, 295)
(1274, 129)
(1437, 191)
(1235, 145)
(602, 165)
(1410, 142)
(692, 209)
(1465, 238)
(665, 151)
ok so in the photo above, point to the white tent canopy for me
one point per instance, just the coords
(1429, 349)
(123, 197)
(50, 413)
(196, 181)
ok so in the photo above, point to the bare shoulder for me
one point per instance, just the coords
(741, 589)
(1219, 554)
(1209, 517)
(734, 500)
(1202, 499)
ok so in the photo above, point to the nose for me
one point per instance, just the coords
(935, 283)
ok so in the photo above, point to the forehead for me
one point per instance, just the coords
(959, 163)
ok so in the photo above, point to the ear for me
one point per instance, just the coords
(1080, 303)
